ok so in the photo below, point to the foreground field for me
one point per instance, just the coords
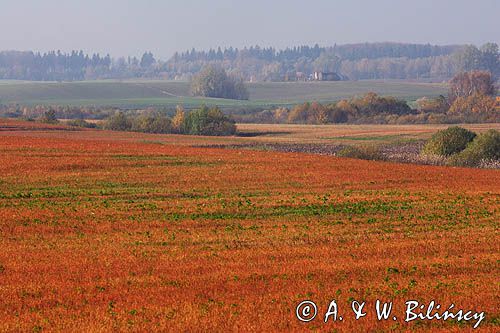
(171, 93)
(109, 231)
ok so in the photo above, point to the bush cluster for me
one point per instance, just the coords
(213, 81)
(465, 148)
(449, 141)
(49, 117)
(362, 152)
(204, 121)
(81, 123)
(484, 149)
(207, 121)
(370, 108)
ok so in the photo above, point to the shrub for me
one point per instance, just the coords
(280, 115)
(49, 117)
(299, 114)
(432, 105)
(363, 153)
(207, 121)
(485, 149)
(315, 113)
(372, 103)
(80, 123)
(338, 116)
(475, 104)
(118, 122)
(448, 142)
(152, 123)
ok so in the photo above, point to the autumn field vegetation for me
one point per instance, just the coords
(114, 231)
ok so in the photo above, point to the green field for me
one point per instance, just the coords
(170, 93)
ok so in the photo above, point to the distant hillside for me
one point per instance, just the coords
(144, 93)
(350, 61)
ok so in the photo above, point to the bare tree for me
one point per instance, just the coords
(466, 84)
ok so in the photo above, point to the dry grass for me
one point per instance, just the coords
(351, 134)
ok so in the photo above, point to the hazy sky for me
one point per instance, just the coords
(129, 27)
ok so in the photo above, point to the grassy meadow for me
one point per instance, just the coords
(141, 93)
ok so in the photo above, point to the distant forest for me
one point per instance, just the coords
(352, 61)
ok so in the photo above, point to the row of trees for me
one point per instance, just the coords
(58, 66)
(59, 111)
(203, 121)
(347, 51)
(355, 61)
(344, 111)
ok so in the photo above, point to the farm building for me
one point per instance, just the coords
(327, 76)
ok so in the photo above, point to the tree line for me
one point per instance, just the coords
(74, 66)
(203, 121)
(354, 61)
(347, 51)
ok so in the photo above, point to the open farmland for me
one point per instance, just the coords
(352, 134)
(130, 94)
(125, 231)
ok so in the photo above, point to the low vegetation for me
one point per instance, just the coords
(207, 121)
(80, 123)
(483, 151)
(365, 152)
(204, 121)
(49, 117)
(370, 108)
(110, 234)
(462, 147)
(449, 141)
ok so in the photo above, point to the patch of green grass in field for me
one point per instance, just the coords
(137, 94)
(358, 208)
(145, 157)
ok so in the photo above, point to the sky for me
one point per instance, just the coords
(130, 27)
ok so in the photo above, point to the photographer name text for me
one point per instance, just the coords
(308, 311)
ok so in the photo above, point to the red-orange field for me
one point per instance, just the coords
(105, 231)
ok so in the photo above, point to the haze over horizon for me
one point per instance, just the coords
(128, 28)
